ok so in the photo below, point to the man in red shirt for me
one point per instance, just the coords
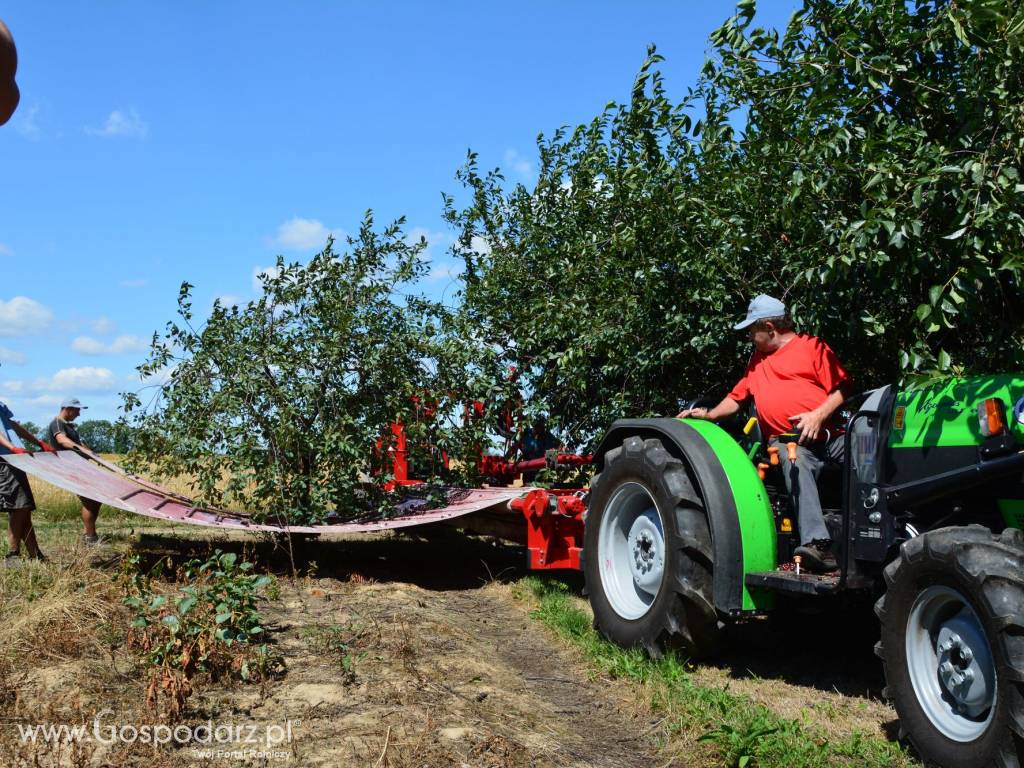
(797, 383)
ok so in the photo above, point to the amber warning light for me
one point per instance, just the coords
(992, 417)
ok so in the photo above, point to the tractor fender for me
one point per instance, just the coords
(735, 500)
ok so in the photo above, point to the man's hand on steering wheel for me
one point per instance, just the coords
(693, 413)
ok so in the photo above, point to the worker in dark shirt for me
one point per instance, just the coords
(63, 436)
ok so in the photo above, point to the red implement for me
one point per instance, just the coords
(554, 527)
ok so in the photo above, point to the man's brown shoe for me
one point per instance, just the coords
(818, 557)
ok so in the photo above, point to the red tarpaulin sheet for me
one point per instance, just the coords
(113, 486)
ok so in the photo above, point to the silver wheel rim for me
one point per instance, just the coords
(631, 551)
(950, 663)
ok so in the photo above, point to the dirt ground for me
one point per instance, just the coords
(410, 651)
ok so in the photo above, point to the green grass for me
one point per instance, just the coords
(738, 732)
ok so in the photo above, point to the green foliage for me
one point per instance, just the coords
(742, 732)
(343, 643)
(874, 184)
(738, 743)
(103, 436)
(864, 164)
(211, 624)
(34, 428)
(277, 406)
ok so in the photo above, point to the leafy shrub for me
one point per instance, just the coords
(210, 625)
(277, 406)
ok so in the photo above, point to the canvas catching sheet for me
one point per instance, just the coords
(108, 483)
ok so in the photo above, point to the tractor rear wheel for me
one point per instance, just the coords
(953, 645)
(649, 560)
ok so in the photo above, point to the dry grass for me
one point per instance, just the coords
(53, 611)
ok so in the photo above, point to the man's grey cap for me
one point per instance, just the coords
(73, 402)
(761, 308)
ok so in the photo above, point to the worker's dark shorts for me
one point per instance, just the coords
(15, 492)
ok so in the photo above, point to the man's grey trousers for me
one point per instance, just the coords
(802, 482)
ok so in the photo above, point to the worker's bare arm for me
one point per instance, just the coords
(9, 445)
(727, 407)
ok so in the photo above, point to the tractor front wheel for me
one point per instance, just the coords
(953, 645)
(649, 559)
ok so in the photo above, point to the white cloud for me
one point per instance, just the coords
(22, 316)
(518, 164)
(72, 380)
(86, 345)
(258, 273)
(5, 250)
(27, 122)
(479, 245)
(229, 300)
(120, 123)
(433, 239)
(135, 283)
(103, 325)
(298, 233)
(14, 357)
(445, 272)
(67, 382)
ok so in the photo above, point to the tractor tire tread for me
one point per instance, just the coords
(989, 570)
(688, 620)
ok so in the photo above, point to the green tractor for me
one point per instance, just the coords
(683, 536)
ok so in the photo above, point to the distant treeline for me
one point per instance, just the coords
(100, 435)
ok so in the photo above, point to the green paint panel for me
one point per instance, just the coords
(757, 526)
(1013, 512)
(945, 413)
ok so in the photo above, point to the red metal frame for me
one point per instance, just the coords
(554, 518)
(505, 472)
(554, 527)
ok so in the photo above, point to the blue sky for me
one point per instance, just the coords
(158, 142)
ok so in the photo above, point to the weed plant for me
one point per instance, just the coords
(209, 626)
(342, 643)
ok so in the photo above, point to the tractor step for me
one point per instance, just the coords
(790, 581)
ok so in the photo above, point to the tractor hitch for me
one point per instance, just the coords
(554, 527)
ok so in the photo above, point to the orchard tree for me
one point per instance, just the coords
(35, 429)
(863, 165)
(277, 406)
(99, 434)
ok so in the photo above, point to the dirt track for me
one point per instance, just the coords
(450, 669)
(441, 678)
(444, 667)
